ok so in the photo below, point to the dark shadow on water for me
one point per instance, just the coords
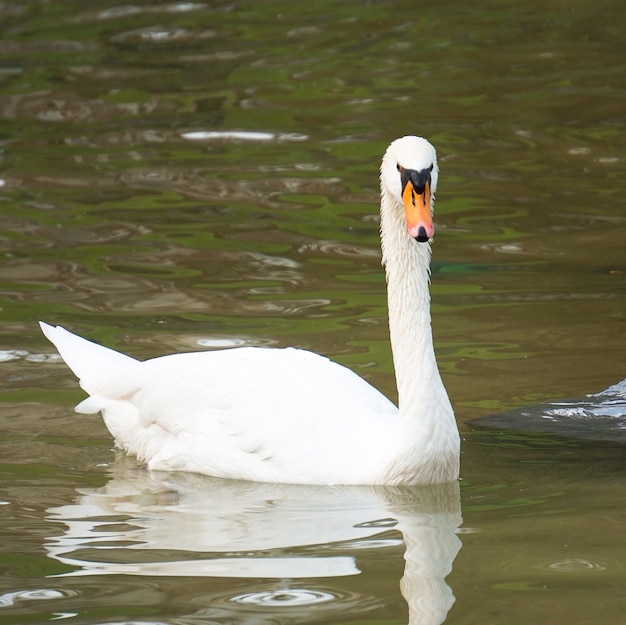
(596, 418)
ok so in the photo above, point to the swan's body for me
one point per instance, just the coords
(289, 415)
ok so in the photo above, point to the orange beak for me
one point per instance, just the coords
(419, 219)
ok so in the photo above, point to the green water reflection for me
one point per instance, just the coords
(124, 218)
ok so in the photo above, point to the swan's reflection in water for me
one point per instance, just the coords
(155, 524)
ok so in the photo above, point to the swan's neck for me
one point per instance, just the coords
(407, 265)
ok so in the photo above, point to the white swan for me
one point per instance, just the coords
(289, 415)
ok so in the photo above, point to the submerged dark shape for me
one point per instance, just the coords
(598, 417)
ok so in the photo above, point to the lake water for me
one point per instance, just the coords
(178, 176)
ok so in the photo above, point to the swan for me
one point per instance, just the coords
(290, 415)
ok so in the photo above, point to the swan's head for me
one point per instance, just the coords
(409, 175)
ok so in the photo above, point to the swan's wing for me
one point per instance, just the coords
(265, 414)
(257, 413)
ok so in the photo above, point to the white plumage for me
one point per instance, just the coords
(289, 415)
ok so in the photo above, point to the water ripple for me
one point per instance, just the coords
(241, 135)
(7, 355)
(574, 565)
(275, 604)
(39, 594)
(336, 248)
(285, 597)
(160, 34)
(127, 10)
(228, 342)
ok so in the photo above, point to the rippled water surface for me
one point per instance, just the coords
(179, 176)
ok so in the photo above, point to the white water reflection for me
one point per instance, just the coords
(241, 135)
(155, 524)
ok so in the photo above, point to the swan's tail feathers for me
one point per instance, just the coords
(94, 365)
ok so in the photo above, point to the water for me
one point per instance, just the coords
(195, 175)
